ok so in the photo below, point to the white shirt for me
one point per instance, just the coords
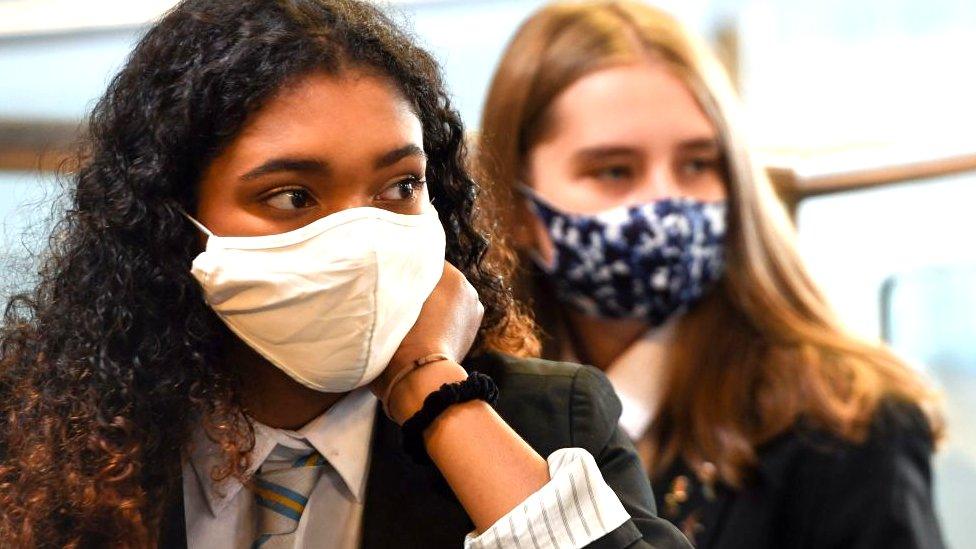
(224, 516)
(637, 376)
(575, 508)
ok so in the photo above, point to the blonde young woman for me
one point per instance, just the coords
(655, 250)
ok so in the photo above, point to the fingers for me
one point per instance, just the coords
(448, 323)
(469, 310)
(466, 293)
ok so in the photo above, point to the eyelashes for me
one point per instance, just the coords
(402, 191)
(405, 189)
(295, 198)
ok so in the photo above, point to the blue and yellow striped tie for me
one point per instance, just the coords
(281, 496)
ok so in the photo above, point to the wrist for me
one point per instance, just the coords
(407, 397)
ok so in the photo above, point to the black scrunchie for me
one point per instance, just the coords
(477, 386)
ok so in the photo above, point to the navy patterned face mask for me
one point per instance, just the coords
(649, 261)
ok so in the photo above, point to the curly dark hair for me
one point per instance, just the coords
(112, 361)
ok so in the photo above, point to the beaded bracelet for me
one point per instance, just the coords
(477, 386)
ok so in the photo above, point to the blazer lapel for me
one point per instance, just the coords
(407, 505)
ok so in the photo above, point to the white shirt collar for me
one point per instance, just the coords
(637, 375)
(343, 435)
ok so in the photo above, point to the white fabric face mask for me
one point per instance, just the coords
(328, 303)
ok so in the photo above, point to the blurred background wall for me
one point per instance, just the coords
(863, 109)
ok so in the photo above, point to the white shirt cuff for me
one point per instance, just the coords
(575, 508)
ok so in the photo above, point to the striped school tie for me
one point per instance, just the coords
(281, 496)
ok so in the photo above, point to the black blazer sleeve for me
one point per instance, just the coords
(594, 414)
(551, 405)
(877, 494)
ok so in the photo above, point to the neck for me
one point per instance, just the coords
(269, 395)
(600, 341)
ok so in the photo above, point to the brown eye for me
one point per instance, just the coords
(291, 199)
(405, 189)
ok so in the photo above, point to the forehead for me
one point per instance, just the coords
(644, 101)
(351, 113)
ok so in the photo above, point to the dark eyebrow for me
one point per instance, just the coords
(301, 165)
(388, 159)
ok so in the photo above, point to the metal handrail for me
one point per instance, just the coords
(797, 177)
(37, 145)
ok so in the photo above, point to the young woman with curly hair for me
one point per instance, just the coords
(656, 250)
(248, 297)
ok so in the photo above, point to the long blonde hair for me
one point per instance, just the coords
(764, 350)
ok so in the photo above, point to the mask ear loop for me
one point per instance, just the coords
(199, 225)
(525, 191)
(536, 201)
(533, 201)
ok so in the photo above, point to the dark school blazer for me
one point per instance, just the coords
(549, 404)
(810, 490)
(814, 490)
